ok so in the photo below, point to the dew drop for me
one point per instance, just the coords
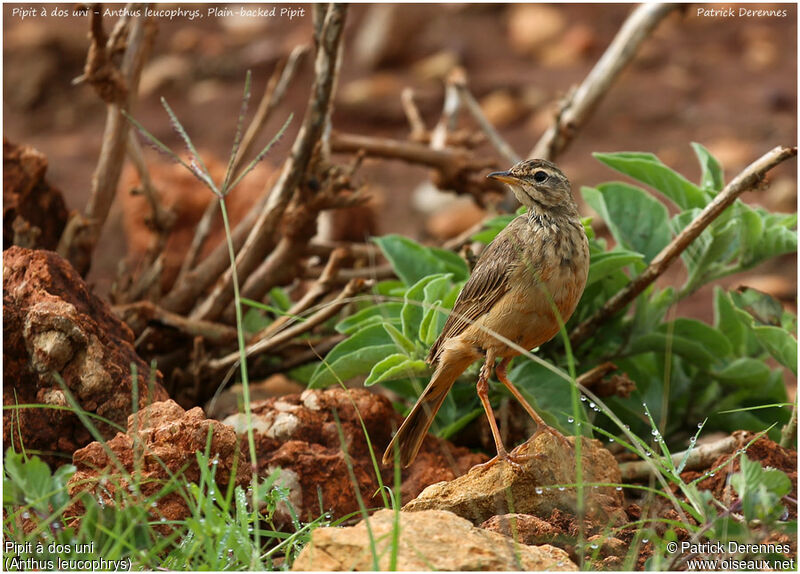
(619, 488)
(154, 504)
(163, 519)
(654, 432)
(215, 462)
(627, 427)
(562, 488)
(592, 405)
(692, 440)
(539, 490)
(583, 398)
(26, 515)
(645, 540)
(711, 473)
(699, 425)
(611, 439)
(593, 546)
(570, 420)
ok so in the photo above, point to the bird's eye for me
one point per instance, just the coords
(539, 176)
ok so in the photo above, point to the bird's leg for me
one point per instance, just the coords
(483, 395)
(541, 425)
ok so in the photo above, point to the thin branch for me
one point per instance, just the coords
(162, 218)
(377, 273)
(749, 178)
(261, 239)
(579, 107)
(318, 290)
(700, 457)
(449, 118)
(273, 96)
(418, 129)
(474, 108)
(327, 311)
(140, 314)
(83, 231)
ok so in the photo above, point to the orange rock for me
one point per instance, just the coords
(52, 322)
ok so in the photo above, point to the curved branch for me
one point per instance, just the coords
(749, 178)
(582, 102)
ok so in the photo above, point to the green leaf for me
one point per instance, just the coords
(429, 327)
(549, 394)
(354, 356)
(379, 313)
(397, 366)
(492, 228)
(637, 220)
(780, 344)
(399, 339)
(280, 299)
(744, 371)
(688, 338)
(413, 307)
(730, 320)
(604, 264)
(648, 169)
(411, 261)
(712, 178)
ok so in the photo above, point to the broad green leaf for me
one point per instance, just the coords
(411, 261)
(429, 328)
(280, 298)
(637, 220)
(688, 338)
(413, 308)
(780, 344)
(379, 313)
(604, 264)
(712, 178)
(397, 366)
(648, 169)
(744, 371)
(763, 307)
(730, 321)
(354, 356)
(348, 366)
(399, 339)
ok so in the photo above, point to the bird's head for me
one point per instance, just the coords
(538, 185)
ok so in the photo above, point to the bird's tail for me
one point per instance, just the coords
(411, 433)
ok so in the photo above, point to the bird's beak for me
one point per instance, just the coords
(503, 176)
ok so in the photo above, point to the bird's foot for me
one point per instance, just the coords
(550, 430)
(515, 460)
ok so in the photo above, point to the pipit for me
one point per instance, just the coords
(524, 284)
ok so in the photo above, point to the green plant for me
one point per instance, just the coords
(683, 368)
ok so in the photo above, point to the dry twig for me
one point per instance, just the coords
(501, 145)
(579, 106)
(140, 314)
(83, 230)
(701, 456)
(261, 239)
(327, 311)
(745, 181)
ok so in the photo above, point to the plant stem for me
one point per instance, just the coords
(237, 303)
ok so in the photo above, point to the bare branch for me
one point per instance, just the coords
(701, 456)
(418, 129)
(83, 231)
(579, 107)
(501, 145)
(326, 311)
(745, 181)
(318, 290)
(261, 239)
(140, 314)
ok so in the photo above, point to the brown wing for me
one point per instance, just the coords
(487, 284)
